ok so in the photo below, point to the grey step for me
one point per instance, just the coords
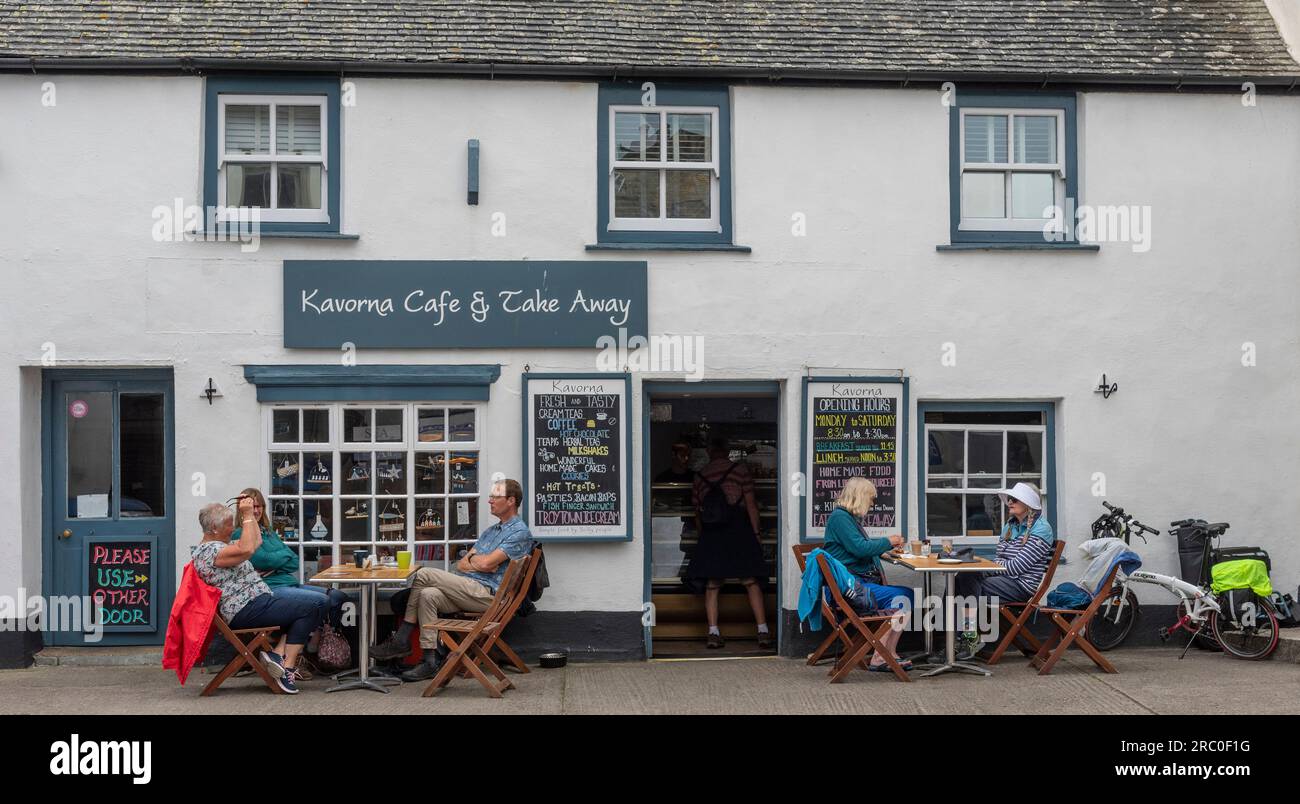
(124, 656)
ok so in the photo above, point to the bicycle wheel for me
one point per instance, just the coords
(1112, 623)
(1253, 638)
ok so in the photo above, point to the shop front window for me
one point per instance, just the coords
(382, 477)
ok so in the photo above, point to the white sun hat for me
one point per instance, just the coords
(1024, 493)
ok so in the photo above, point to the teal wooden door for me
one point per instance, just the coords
(110, 523)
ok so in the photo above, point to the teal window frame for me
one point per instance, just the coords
(1067, 103)
(666, 94)
(1047, 409)
(215, 86)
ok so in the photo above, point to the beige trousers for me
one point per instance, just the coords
(436, 590)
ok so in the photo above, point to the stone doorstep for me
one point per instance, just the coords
(123, 656)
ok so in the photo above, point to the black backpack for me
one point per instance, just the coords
(714, 508)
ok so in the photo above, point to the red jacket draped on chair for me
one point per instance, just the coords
(189, 628)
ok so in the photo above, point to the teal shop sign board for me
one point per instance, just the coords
(461, 303)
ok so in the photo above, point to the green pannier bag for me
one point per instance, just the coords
(1249, 573)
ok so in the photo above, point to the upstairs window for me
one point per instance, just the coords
(273, 145)
(664, 165)
(1014, 164)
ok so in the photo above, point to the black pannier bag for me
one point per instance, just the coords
(1222, 554)
(1191, 553)
(1241, 607)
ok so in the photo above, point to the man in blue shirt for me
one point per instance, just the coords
(469, 586)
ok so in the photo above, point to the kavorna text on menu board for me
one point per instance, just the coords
(854, 429)
(577, 472)
(121, 581)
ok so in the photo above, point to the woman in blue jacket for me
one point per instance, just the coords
(849, 544)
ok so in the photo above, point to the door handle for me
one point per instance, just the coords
(67, 534)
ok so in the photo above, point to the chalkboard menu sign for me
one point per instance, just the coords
(577, 445)
(121, 577)
(855, 428)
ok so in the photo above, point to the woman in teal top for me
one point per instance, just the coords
(277, 563)
(860, 554)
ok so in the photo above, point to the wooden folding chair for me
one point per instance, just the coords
(1017, 614)
(801, 552)
(1070, 629)
(864, 641)
(469, 654)
(245, 653)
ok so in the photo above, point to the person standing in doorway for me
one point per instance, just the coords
(729, 545)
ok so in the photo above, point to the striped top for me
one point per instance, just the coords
(1026, 552)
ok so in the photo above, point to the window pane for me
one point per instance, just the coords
(945, 452)
(392, 521)
(284, 473)
(430, 473)
(388, 424)
(297, 129)
(986, 138)
(356, 425)
(636, 194)
(464, 518)
(140, 450)
(985, 456)
(983, 515)
(390, 473)
(431, 424)
(284, 426)
(299, 186)
(1031, 194)
(320, 473)
(356, 521)
(248, 185)
(943, 515)
(318, 520)
(636, 137)
(90, 453)
(983, 195)
(1036, 140)
(248, 129)
(356, 472)
(284, 519)
(432, 515)
(462, 425)
(689, 193)
(1024, 453)
(464, 473)
(690, 138)
(315, 426)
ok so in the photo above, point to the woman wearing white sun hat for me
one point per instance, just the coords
(1025, 549)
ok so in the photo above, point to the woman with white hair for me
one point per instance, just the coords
(246, 600)
(848, 543)
(1025, 550)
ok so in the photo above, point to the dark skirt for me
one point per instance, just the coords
(726, 550)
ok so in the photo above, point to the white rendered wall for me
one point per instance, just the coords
(868, 168)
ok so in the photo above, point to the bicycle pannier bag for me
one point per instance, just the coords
(1249, 573)
(1242, 607)
(1223, 554)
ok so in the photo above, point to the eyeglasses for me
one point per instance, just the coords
(498, 496)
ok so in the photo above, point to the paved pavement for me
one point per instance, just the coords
(1151, 680)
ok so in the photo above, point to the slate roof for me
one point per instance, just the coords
(1086, 39)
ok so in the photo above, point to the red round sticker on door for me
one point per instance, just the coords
(78, 408)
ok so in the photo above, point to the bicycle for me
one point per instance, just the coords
(1252, 636)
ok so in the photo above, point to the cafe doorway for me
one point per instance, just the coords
(683, 421)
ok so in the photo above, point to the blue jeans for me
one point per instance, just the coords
(873, 598)
(298, 615)
(335, 597)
